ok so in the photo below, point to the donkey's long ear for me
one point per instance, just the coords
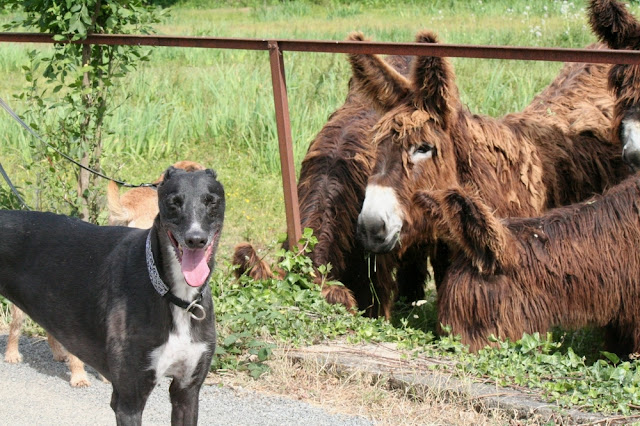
(430, 223)
(482, 237)
(614, 24)
(379, 81)
(434, 85)
(429, 203)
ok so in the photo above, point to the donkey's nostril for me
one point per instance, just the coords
(372, 230)
(632, 158)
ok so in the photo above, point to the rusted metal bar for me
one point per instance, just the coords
(424, 49)
(276, 47)
(466, 51)
(144, 40)
(285, 144)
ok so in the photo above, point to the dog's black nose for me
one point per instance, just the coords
(195, 240)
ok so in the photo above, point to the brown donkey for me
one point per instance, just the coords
(616, 26)
(555, 152)
(573, 267)
(331, 188)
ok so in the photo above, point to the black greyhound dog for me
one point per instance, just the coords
(134, 304)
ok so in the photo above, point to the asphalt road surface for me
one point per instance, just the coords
(37, 392)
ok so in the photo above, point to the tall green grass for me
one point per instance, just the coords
(216, 106)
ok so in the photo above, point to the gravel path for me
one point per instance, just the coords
(37, 392)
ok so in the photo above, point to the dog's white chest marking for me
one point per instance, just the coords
(179, 356)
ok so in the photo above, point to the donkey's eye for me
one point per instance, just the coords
(422, 152)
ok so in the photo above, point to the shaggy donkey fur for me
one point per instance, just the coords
(572, 267)
(613, 23)
(555, 152)
(331, 187)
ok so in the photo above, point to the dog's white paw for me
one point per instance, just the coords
(79, 381)
(13, 357)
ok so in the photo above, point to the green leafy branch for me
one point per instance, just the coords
(69, 95)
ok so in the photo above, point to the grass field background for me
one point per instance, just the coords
(216, 106)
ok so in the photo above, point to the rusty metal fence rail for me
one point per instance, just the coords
(276, 47)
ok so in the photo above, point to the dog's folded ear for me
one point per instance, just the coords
(212, 173)
(169, 172)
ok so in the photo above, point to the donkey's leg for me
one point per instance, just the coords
(413, 273)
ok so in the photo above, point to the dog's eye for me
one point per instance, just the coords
(209, 200)
(174, 203)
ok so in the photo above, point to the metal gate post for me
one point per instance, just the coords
(285, 144)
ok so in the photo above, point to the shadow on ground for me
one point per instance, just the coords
(36, 353)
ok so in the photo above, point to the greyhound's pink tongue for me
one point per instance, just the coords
(194, 266)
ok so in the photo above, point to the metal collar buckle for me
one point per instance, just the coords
(196, 307)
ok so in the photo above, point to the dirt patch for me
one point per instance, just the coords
(358, 392)
(381, 383)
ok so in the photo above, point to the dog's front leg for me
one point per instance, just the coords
(128, 406)
(184, 404)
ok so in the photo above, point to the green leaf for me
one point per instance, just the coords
(264, 354)
(611, 357)
(230, 340)
(76, 25)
